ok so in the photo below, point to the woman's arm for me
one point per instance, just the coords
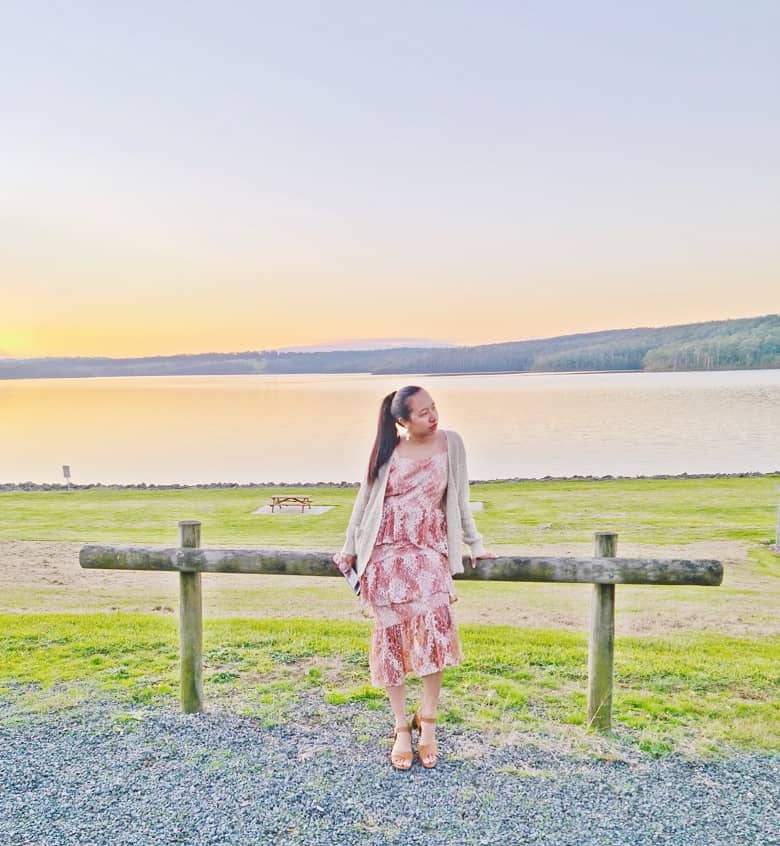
(357, 515)
(470, 534)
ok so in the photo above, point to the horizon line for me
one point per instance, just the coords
(433, 344)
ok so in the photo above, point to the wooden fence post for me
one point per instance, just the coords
(601, 647)
(190, 626)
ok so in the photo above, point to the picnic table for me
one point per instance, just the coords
(280, 500)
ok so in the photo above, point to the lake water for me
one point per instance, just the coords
(320, 428)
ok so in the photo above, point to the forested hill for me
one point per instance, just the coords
(717, 345)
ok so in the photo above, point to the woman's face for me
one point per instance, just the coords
(423, 416)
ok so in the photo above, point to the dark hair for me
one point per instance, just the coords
(395, 406)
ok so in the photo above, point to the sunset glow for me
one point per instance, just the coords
(256, 181)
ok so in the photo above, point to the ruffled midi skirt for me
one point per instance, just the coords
(407, 582)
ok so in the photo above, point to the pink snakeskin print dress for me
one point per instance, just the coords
(407, 580)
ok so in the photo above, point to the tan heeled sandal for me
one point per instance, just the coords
(428, 753)
(401, 760)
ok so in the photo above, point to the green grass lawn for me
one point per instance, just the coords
(690, 691)
(657, 511)
(697, 694)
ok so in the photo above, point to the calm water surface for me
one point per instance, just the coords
(320, 428)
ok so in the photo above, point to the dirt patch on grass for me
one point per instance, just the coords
(55, 564)
(44, 576)
(733, 551)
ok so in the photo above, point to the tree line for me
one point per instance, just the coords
(716, 345)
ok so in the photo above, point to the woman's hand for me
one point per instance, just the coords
(485, 554)
(344, 562)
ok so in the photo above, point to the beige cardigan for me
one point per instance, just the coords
(366, 516)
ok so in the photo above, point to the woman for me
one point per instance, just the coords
(404, 541)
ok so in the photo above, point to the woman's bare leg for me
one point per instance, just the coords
(430, 704)
(397, 696)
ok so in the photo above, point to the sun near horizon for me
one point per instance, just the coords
(266, 182)
(92, 339)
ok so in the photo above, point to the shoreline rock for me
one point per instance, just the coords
(60, 486)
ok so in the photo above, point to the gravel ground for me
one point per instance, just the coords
(154, 776)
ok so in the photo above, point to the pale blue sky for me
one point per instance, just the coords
(184, 177)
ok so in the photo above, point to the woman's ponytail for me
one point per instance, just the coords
(386, 437)
(395, 406)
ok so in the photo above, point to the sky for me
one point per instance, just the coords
(195, 177)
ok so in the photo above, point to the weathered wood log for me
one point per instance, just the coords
(601, 643)
(626, 571)
(604, 571)
(190, 626)
(637, 571)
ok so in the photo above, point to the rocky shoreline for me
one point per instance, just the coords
(59, 486)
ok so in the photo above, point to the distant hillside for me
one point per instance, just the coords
(718, 345)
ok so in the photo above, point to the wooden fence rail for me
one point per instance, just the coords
(603, 571)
